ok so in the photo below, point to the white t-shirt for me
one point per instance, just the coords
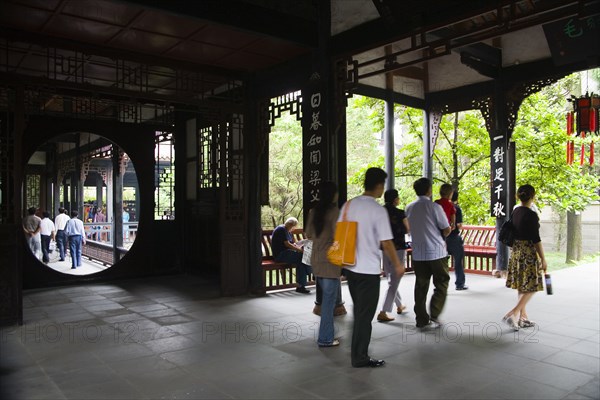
(46, 227)
(373, 228)
(427, 219)
(61, 221)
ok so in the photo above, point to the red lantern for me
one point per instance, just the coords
(585, 116)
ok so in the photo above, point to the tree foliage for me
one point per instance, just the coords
(461, 155)
(540, 138)
(285, 172)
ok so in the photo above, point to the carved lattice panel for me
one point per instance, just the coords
(208, 167)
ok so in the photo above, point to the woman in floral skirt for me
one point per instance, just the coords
(527, 264)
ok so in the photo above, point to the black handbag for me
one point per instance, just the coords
(507, 233)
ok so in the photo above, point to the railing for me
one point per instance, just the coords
(479, 244)
(100, 244)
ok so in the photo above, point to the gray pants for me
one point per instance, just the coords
(393, 282)
(35, 244)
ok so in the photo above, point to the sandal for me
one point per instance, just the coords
(510, 321)
(525, 323)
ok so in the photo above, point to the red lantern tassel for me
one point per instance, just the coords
(569, 123)
(593, 120)
(571, 154)
(582, 158)
(592, 153)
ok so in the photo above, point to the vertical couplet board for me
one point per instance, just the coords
(499, 181)
(314, 142)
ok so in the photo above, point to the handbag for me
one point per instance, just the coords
(343, 250)
(507, 233)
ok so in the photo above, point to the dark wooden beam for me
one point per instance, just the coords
(460, 99)
(485, 59)
(418, 18)
(241, 15)
(383, 94)
(16, 35)
(411, 72)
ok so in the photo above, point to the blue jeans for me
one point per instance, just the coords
(456, 249)
(294, 257)
(330, 289)
(75, 247)
(338, 300)
(61, 243)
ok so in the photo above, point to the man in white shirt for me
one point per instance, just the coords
(429, 227)
(47, 234)
(373, 233)
(61, 239)
(76, 234)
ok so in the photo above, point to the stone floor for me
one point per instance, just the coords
(174, 338)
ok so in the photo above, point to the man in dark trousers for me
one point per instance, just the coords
(373, 234)
(429, 227)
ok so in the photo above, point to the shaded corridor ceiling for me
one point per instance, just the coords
(190, 50)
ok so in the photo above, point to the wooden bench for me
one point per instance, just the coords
(480, 250)
(480, 256)
(277, 275)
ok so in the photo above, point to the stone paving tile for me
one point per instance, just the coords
(588, 347)
(33, 388)
(518, 388)
(551, 375)
(173, 338)
(576, 361)
(164, 345)
(116, 388)
(590, 389)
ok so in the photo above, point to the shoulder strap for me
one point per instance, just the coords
(345, 213)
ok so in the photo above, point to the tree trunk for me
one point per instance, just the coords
(573, 237)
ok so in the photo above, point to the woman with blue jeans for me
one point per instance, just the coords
(320, 229)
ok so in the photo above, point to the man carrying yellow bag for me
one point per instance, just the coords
(373, 232)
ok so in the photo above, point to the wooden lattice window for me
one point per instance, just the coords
(32, 191)
(164, 175)
(208, 163)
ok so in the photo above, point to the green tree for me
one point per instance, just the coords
(285, 173)
(285, 160)
(540, 139)
(461, 156)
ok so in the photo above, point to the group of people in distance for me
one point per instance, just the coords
(435, 232)
(39, 232)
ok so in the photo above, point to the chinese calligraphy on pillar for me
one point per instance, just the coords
(314, 143)
(498, 177)
(435, 117)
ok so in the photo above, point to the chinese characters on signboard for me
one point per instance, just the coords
(498, 177)
(314, 131)
(573, 39)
